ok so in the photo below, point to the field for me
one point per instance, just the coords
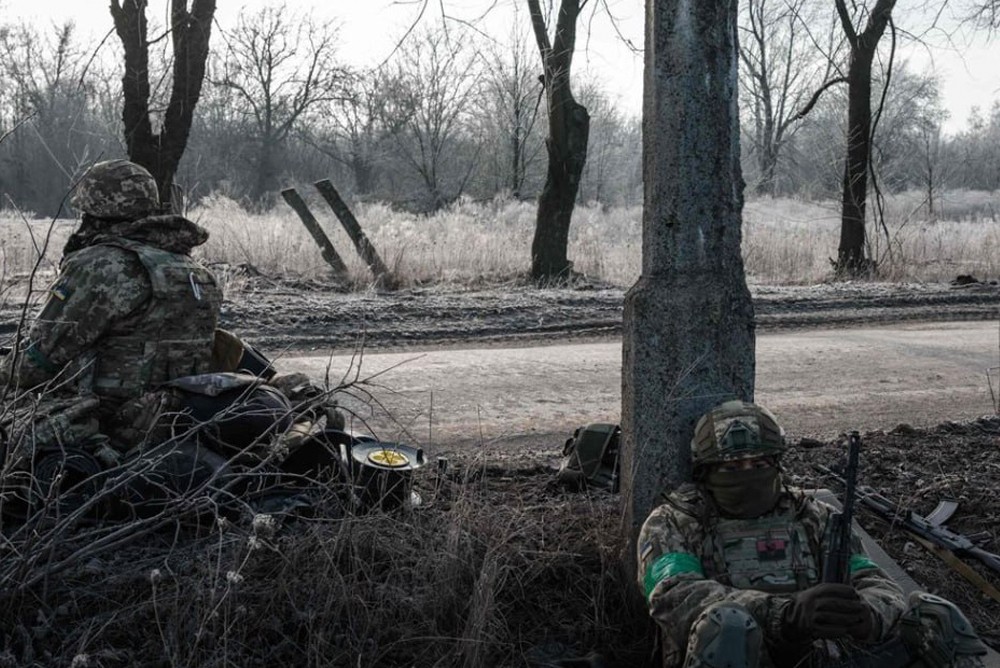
(786, 242)
(498, 567)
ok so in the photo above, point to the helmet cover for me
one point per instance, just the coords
(117, 189)
(736, 430)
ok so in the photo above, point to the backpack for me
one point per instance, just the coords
(591, 458)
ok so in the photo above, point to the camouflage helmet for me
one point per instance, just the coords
(736, 430)
(117, 189)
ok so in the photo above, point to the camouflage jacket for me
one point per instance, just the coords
(681, 572)
(128, 310)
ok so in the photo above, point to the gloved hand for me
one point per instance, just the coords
(828, 611)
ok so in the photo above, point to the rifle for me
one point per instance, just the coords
(918, 525)
(838, 555)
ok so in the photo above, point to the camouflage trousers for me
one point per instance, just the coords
(931, 633)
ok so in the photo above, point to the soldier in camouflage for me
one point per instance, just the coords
(130, 315)
(130, 308)
(730, 567)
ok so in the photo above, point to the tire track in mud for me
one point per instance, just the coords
(287, 316)
(438, 317)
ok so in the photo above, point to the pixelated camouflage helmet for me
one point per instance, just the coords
(117, 189)
(736, 430)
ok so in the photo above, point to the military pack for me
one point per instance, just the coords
(591, 458)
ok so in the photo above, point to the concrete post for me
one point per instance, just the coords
(326, 248)
(689, 327)
(364, 247)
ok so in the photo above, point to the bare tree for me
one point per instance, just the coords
(781, 72)
(373, 110)
(863, 45)
(910, 117)
(438, 72)
(613, 173)
(47, 96)
(986, 13)
(510, 101)
(281, 66)
(161, 151)
(569, 128)
(976, 151)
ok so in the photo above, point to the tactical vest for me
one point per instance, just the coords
(771, 554)
(171, 339)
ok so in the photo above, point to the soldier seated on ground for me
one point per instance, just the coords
(730, 567)
(129, 332)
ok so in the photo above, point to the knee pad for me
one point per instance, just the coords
(936, 632)
(724, 636)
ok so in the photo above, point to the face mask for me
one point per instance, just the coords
(745, 494)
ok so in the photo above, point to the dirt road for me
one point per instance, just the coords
(820, 382)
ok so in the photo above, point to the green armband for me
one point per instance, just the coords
(667, 566)
(860, 562)
(40, 360)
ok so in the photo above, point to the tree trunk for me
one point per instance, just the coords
(363, 175)
(566, 145)
(851, 253)
(515, 161)
(161, 152)
(851, 259)
(767, 162)
(267, 176)
(930, 193)
(557, 199)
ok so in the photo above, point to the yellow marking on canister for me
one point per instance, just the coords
(390, 458)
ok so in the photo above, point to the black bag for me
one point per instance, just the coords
(591, 458)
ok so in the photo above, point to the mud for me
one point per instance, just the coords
(303, 317)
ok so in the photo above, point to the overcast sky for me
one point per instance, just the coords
(968, 69)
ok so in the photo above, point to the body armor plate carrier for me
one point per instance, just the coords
(769, 554)
(174, 336)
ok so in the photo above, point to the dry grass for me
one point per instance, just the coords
(496, 566)
(785, 241)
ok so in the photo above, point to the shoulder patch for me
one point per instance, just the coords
(61, 291)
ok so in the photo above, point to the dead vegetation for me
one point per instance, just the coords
(785, 242)
(496, 567)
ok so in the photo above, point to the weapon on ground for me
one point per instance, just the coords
(838, 554)
(918, 525)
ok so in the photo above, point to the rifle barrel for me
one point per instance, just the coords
(919, 525)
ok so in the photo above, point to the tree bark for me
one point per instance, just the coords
(566, 145)
(161, 152)
(851, 257)
(767, 162)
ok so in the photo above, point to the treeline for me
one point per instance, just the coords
(451, 114)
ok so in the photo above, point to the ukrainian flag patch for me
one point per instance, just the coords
(61, 292)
